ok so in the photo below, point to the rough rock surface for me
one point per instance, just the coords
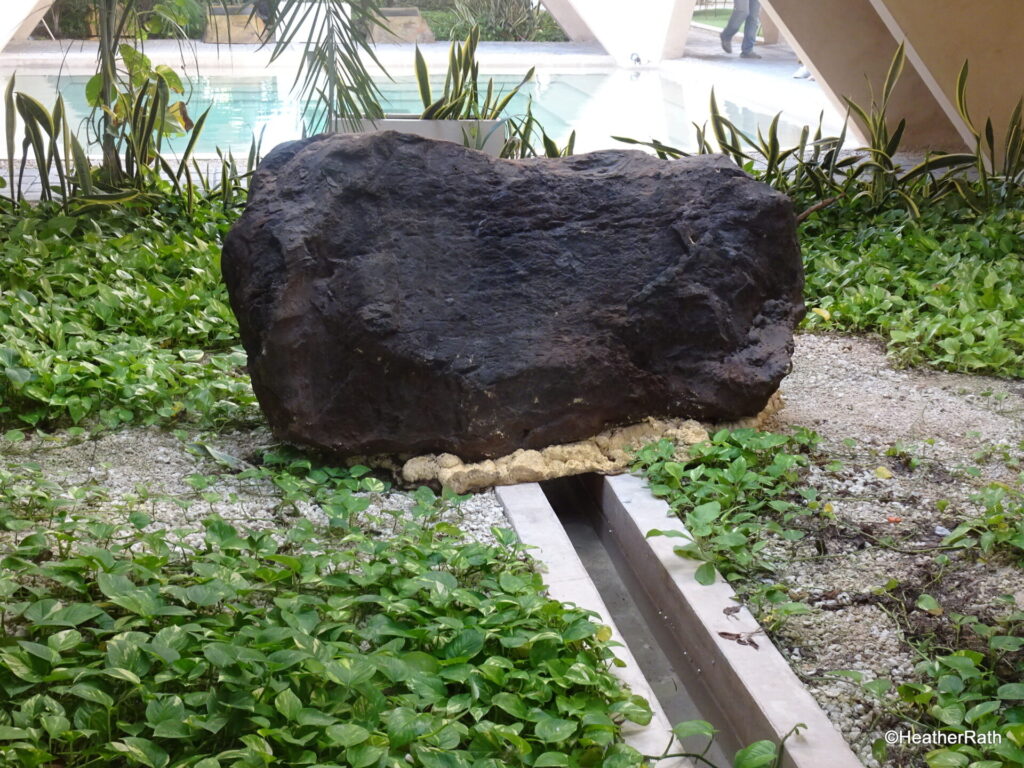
(404, 296)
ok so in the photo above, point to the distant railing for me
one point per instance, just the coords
(707, 5)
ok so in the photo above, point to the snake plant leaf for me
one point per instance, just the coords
(83, 170)
(893, 75)
(939, 162)
(423, 79)
(961, 98)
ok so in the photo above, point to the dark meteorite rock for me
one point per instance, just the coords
(401, 295)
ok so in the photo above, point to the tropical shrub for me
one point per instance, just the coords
(133, 107)
(73, 19)
(817, 172)
(463, 99)
(501, 19)
(434, 5)
(446, 24)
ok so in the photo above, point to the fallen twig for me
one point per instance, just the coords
(818, 206)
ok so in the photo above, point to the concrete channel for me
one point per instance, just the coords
(679, 643)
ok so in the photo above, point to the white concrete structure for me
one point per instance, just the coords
(639, 33)
(989, 40)
(847, 44)
(570, 21)
(20, 17)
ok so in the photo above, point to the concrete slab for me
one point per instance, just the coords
(854, 64)
(754, 688)
(78, 57)
(537, 526)
(640, 621)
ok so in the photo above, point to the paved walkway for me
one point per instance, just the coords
(79, 56)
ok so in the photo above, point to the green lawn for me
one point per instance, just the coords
(714, 17)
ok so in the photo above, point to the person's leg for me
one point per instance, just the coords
(750, 26)
(740, 11)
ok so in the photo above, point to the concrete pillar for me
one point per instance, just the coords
(20, 17)
(640, 33)
(769, 30)
(678, 28)
(848, 48)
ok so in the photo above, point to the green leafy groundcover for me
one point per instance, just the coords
(944, 290)
(738, 493)
(116, 316)
(743, 489)
(423, 649)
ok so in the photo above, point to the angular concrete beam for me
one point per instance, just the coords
(848, 48)
(20, 17)
(570, 21)
(940, 35)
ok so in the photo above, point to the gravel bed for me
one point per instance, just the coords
(148, 469)
(928, 431)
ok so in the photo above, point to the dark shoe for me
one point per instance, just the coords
(726, 43)
(749, 55)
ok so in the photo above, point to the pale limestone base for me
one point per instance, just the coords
(609, 453)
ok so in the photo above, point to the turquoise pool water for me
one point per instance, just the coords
(597, 106)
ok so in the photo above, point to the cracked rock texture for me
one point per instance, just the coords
(402, 296)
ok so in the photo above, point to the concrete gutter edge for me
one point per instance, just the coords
(567, 579)
(755, 689)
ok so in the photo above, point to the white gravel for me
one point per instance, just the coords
(150, 469)
(951, 426)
